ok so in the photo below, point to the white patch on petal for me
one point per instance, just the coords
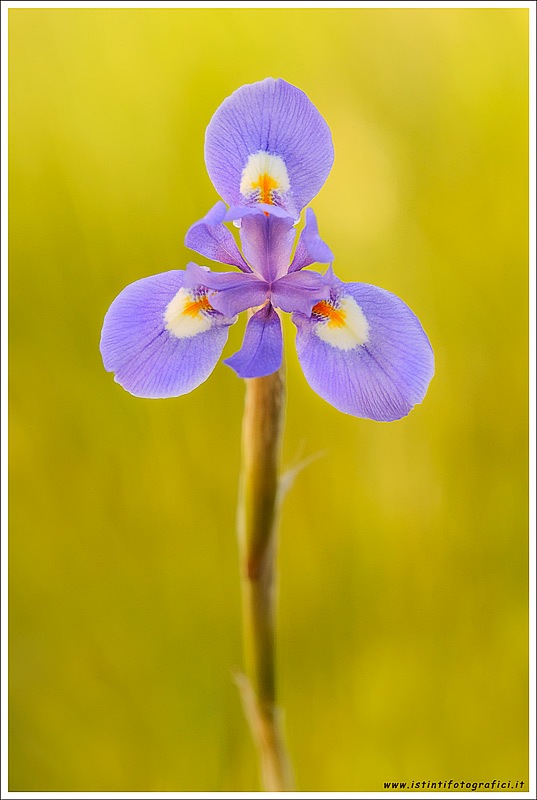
(263, 175)
(188, 314)
(343, 324)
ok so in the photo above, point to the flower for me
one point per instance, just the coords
(268, 152)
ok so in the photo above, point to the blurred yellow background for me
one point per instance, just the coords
(403, 563)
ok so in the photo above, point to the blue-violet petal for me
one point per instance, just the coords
(365, 352)
(212, 239)
(267, 143)
(160, 338)
(310, 248)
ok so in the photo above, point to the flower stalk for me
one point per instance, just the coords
(258, 514)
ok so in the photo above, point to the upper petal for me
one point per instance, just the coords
(160, 338)
(365, 352)
(212, 239)
(310, 248)
(268, 143)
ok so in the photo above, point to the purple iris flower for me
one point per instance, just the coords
(268, 152)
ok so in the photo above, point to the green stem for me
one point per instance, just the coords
(257, 529)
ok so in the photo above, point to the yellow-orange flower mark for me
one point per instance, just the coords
(334, 316)
(266, 185)
(193, 307)
(184, 316)
(264, 174)
(341, 324)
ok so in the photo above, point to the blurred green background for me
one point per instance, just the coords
(403, 563)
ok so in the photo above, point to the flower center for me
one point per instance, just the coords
(263, 176)
(341, 322)
(188, 313)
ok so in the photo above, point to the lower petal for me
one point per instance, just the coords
(161, 339)
(365, 352)
(261, 351)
